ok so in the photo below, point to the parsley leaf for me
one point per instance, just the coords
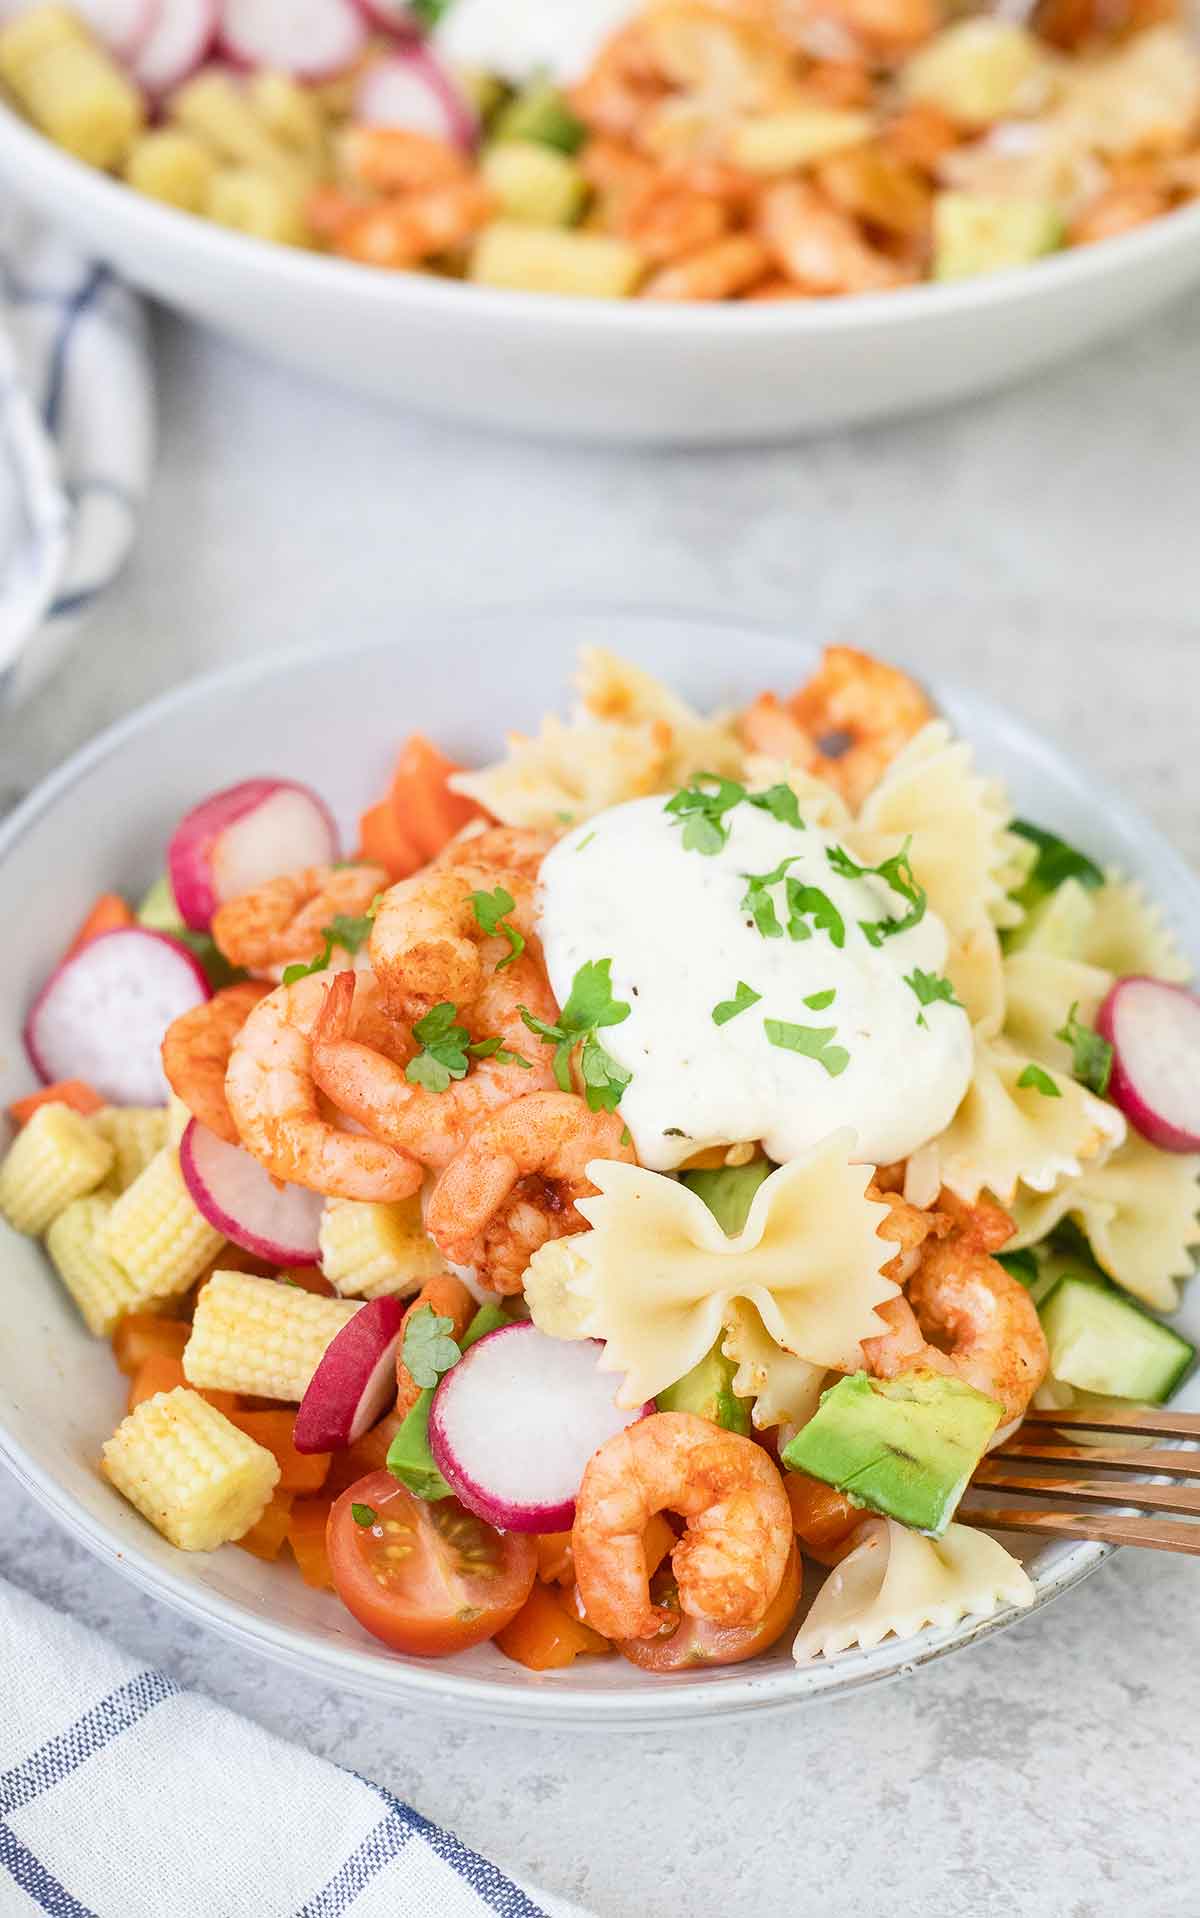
(346, 931)
(443, 1054)
(1055, 862)
(810, 902)
(494, 1049)
(895, 872)
(703, 813)
(930, 987)
(782, 804)
(757, 901)
(428, 1348)
(1035, 1079)
(590, 1006)
(585, 841)
(742, 1000)
(363, 1514)
(490, 908)
(813, 1041)
(1093, 1061)
(817, 1001)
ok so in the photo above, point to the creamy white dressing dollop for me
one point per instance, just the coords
(671, 921)
(519, 39)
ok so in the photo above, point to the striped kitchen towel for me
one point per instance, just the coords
(76, 442)
(122, 1796)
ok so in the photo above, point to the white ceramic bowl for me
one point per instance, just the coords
(628, 372)
(102, 822)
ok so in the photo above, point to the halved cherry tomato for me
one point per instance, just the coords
(425, 1577)
(823, 1519)
(694, 1641)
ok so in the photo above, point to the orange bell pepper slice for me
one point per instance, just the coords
(266, 1536)
(428, 812)
(298, 1471)
(143, 1335)
(544, 1636)
(162, 1373)
(306, 1536)
(76, 1093)
(108, 914)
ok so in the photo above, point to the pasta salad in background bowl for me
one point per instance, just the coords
(552, 1223)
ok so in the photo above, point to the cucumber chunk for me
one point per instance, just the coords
(1101, 1342)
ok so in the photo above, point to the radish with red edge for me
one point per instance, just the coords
(239, 1197)
(514, 1423)
(312, 39)
(102, 1014)
(176, 44)
(355, 1381)
(242, 837)
(1154, 1031)
(412, 89)
(121, 25)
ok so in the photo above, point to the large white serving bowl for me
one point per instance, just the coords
(102, 821)
(631, 372)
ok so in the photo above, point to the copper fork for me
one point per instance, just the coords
(1065, 1480)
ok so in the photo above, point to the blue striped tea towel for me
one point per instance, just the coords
(122, 1796)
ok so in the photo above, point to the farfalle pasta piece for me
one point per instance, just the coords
(962, 851)
(1139, 1213)
(660, 1274)
(785, 1389)
(1040, 990)
(1127, 933)
(975, 968)
(895, 1583)
(617, 693)
(820, 805)
(1005, 1135)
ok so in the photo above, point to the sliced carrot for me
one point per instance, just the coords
(298, 1471)
(143, 1335)
(76, 1093)
(657, 1540)
(306, 1536)
(428, 812)
(544, 1636)
(108, 914)
(823, 1519)
(309, 1278)
(162, 1373)
(449, 1299)
(265, 1538)
(367, 1454)
(382, 840)
(556, 1565)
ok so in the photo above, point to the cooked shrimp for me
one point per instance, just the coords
(397, 160)
(518, 849)
(846, 725)
(415, 226)
(514, 1184)
(621, 85)
(448, 1298)
(1118, 210)
(369, 1084)
(426, 939)
(985, 1321)
(284, 921)
(714, 273)
(730, 1562)
(195, 1053)
(275, 1106)
(819, 246)
(667, 222)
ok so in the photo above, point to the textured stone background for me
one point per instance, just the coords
(1042, 546)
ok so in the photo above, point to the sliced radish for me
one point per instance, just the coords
(102, 1014)
(514, 1423)
(1154, 1031)
(392, 16)
(241, 838)
(355, 1381)
(122, 25)
(412, 89)
(176, 44)
(313, 39)
(240, 1198)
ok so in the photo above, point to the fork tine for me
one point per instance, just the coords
(1152, 1498)
(1151, 1421)
(1176, 1464)
(1156, 1535)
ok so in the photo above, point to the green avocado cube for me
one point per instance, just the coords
(905, 1447)
(541, 113)
(977, 233)
(727, 1191)
(708, 1391)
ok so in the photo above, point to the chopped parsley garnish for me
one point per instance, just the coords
(1019, 1265)
(1036, 1079)
(1056, 861)
(590, 1006)
(363, 1514)
(345, 931)
(490, 908)
(1093, 1056)
(815, 1042)
(803, 903)
(742, 1000)
(585, 841)
(782, 804)
(895, 872)
(930, 988)
(429, 1349)
(626, 1136)
(705, 828)
(447, 1049)
(817, 1001)
(757, 901)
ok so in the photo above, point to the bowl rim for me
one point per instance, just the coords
(216, 248)
(684, 1699)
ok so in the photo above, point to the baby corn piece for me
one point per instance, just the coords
(69, 86)
(179, 1117)
(370, 1249)
(56, 1157)
(215, 110)
(173, 167)
(136, 1134)
(75, 1241)
(536, 259)
(199, 1480)
(157, 1233)
(254, 202)
(259, 1336)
